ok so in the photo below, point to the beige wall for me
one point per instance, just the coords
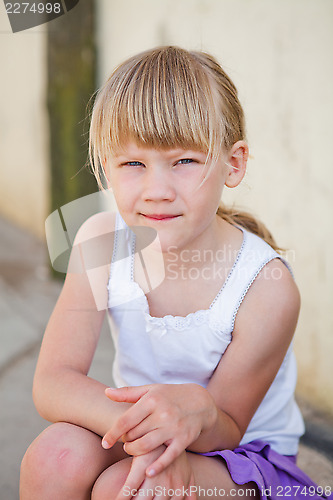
(23, 126)
(279, 54)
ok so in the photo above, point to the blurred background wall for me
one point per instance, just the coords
(279, 54)
(24, 159)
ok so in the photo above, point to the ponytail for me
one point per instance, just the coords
(247, 221)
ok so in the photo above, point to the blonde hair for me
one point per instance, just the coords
(169, 97)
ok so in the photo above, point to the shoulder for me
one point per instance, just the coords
(93, 243)
(272, 299)
(273, 276)
(96, 225)
(277, 286)
(88, 268)
(266, 276)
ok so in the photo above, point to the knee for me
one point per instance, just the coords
(109, 484)
(56, 454)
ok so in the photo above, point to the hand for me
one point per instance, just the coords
(171, 414)
(177, 478)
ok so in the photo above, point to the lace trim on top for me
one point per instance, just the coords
(127, 291)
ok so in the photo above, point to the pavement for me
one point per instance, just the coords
(28, 293)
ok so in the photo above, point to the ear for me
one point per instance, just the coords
(236, 162)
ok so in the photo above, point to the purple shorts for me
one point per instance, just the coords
(277, 476)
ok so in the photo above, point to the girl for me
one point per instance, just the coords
(202, 318)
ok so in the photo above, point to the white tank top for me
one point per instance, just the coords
(178, 350)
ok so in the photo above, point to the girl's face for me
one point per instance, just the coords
(162, 189)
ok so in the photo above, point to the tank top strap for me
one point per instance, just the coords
(121, 269)
(123, 251)
(252, 257)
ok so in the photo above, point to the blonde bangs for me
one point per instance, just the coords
(160, 99)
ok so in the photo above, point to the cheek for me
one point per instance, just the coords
(124, 189)
(209, 195)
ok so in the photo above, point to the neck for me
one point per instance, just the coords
(205, 250)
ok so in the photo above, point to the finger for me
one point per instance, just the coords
(192, 489)
(129, 420)
(133, 483)
(187, 490)
(147, 492)
(146, 443)
(151, 491)
(180, 492)
(140, 430)
(168, 456)
(144, 427)
(127, 394)
(179, 495)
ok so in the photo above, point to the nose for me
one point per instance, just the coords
(158, 186)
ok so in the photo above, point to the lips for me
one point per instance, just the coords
(161, 216)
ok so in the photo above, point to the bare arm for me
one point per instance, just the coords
(264, 327)
(62, 390)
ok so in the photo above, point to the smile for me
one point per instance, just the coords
(160, 217)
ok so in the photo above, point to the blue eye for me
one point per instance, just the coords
(134, 163)
(186, 161)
